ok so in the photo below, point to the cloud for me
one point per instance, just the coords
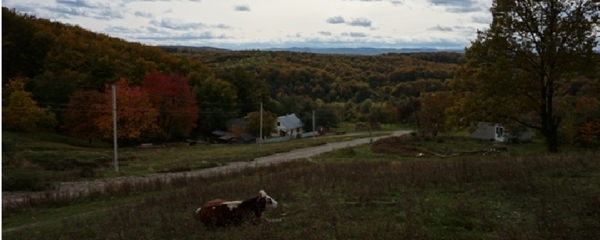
(335, 20)
(396, 3)
(465, 29)
(440, 28)
(481, 19)
(360, 22)
(242, 8)
(66, 11)
(121, 29)
(458, 6)
(354, 34)
(82, 4)
(179, 25)
(143, 14)
(181, 37)
(176, 24)
(220, 25)
(325, 33)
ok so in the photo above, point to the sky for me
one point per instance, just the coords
(259, 24)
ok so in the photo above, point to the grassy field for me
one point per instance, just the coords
(46, 158)
(358, 194)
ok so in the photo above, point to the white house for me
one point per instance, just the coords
(289, 125)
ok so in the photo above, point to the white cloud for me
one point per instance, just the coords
(375, 23)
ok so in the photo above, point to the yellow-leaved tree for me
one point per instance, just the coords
(20, 112)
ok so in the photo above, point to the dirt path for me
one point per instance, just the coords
(75, 190)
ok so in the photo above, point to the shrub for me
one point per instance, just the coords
(22, 181)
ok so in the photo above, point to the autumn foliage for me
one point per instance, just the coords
(162, 107)
(175, 102)
(20, 112)
(135, 113)
(84, 108)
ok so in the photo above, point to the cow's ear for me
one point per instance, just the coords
(262, 194)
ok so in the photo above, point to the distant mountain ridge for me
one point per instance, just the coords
(344, 51)
(362, 50)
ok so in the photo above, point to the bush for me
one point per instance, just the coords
(8, 149)
(22, 181)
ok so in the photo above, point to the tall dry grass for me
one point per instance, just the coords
(533, 197)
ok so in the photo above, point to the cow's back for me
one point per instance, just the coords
(216, 214)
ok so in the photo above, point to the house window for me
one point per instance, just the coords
(278, 124)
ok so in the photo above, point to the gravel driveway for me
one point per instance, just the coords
(74, 190)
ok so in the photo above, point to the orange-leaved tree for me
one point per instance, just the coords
(135, 113)
(175, 101)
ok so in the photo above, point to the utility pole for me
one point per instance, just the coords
(114, 113)
(261, 123)
(314, 130)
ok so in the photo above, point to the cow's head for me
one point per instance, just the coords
(269, 201)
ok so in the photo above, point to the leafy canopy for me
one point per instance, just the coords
(515, 68)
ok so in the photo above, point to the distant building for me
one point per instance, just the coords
(239, 134)
(496, 132)
(289, 125)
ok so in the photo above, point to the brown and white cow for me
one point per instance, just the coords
(220, 213)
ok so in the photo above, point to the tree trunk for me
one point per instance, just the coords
(551, 135)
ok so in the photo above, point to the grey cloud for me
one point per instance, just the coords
(82, 4)
(335, 20)
(182, 37)
(242, 8)
(108, 15)
(63, 11)
(220, 25)
(354, 34)
(396, 2)
(176, 24)
(480, 19)
(121, 29)
(458, 6)
(360, 22)
(144, 14)
(325, 33)
(465, 29)
(440, 28)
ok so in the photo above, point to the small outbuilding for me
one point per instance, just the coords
(496, 132)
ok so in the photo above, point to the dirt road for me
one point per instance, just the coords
(74, 190)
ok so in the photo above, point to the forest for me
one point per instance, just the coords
(58, 77)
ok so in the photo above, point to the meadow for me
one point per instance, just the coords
(34, 162)
(357, 193)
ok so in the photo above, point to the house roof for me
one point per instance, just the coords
(289, 122)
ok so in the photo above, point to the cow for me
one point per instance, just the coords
(221, 213)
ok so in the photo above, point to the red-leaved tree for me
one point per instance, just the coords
(175, 101)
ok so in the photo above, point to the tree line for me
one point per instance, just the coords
(57, 76)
